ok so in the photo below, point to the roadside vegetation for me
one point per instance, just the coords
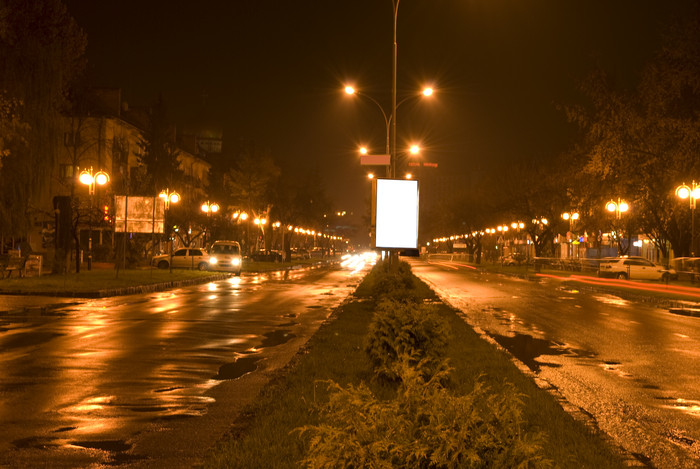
(398, 379)
(91, 281)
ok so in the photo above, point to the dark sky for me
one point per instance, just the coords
(273, 71)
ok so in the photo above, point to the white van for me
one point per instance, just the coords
(225, 255)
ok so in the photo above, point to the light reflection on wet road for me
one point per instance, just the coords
(79, 383)
(634, 367)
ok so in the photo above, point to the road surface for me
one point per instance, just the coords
(151, 380)
(634, 367)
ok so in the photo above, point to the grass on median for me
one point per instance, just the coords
(265, 437)
(98, 279)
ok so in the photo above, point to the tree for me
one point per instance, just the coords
(643, 143)
(250, 182)
(299, 200)
(41, 53)
(158, 154)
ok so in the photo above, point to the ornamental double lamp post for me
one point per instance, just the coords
(692, 193)
(168, 198)
(209, 209)
(618, 208)
(571, 218)
(91, 180)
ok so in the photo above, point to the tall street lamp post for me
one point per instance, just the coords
(169, 197)
(619, 208)
(389, 121)
(209, 209)
(692, 193)
(571, 217)
(91, 180)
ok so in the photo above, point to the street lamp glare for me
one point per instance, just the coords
(574, 216)
(370, 175)
(611, 206)
(205, 208)
(174, 198)
(415, 149)
(363, 150)
(682, 191)
(624, 207)
(101, 178)
(349, 90)
(565, 215)
(214, 208)
(86, 178)
(409, 176)
(428, 92)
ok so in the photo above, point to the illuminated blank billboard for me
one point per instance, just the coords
(396, 214)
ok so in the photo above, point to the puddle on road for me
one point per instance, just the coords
(29, 339)
(289, 324)
(238, 368)
(526, 348)
(104, 445)
(277, 337)
(686, 406)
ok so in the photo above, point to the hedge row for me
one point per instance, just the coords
(424, 424)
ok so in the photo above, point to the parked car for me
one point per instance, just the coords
(225, 255)
(300, 253)
(515, 258)
(183, 258)
(634, 268)
(267, 256)
(316, 252)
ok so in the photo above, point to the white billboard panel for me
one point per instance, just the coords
(397, 214)
(144, 214)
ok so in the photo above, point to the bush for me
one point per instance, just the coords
(423, 427)
(389, 280)
(408, 329)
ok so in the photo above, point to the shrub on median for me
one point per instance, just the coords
(423, 427)
(391, 280)
(406, 329)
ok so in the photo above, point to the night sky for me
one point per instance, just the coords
(273, 72)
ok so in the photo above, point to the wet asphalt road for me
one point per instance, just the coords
(151, 380)
(633, 366)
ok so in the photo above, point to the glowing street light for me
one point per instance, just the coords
(91, 180)
(389, 119)
(618, 207)
(169, 197)
(692, 193)
(209, 208)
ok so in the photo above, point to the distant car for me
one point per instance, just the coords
(316, 252)
(267, 256)
(300, 254)
(634, 268)
(225, 255)
(513, 259)
(183, 258)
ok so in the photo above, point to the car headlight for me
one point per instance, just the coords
(236, 261)
(213, 260)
